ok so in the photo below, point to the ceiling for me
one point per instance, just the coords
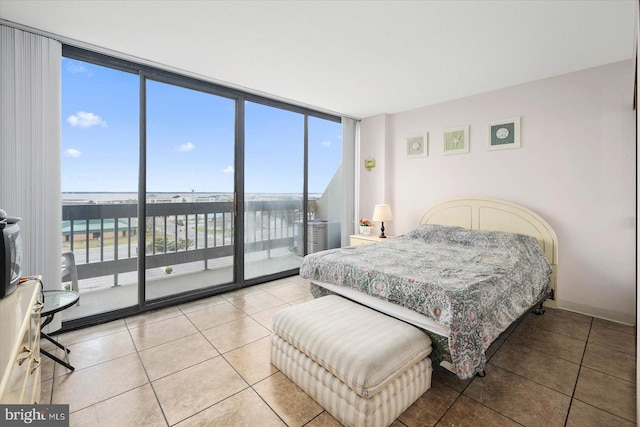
(354, 58)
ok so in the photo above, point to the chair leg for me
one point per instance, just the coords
(71, 271)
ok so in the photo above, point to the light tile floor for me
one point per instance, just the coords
(207, 363)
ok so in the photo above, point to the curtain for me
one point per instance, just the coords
(30, 139)
(350, 140)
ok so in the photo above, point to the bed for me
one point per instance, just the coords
(469, 269)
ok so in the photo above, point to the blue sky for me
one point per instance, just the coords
(190, 139)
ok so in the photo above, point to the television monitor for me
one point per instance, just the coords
(10, 254)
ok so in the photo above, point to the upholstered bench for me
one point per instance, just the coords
(363, 367)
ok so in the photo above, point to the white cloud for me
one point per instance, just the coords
(326, 143)
(228, 169)
(72, 152)
(186, 147)
(76, 68)
(85, 120)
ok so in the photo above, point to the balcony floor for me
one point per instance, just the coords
(98, 295)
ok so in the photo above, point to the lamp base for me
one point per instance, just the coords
(382, 236)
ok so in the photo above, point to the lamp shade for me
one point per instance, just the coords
(382, 213)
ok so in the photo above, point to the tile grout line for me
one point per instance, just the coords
(595, 370)
(522, 376)
(269, 406)
(269, 376)
(188, 367)
(102, 363)
(220, 354)
(461, 393)
(137, 352)
(153, 389)
(575, 385)
(249, 386)
(53, 377)
(128, 328)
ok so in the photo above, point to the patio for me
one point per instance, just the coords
(187, 246)
(98, 295)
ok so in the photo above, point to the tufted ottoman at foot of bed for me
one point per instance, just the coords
(363, 367)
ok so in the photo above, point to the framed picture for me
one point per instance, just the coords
(456, 140)
(417, 145)
(504, 134)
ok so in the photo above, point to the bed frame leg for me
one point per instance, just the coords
(539, 311)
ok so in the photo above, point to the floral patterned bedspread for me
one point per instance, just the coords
(475, 282)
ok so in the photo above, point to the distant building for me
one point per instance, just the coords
(96, 229)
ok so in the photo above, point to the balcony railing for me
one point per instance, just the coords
(104, 237)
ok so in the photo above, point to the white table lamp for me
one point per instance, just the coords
(382, 213)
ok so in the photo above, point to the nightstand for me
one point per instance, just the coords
(361, 239)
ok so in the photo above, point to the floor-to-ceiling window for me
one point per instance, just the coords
(189, 228)
(160, 169)
(99, 181)
(282, 195)
(273, 188)
(325, 185)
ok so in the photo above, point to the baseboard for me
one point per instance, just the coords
(611, 315)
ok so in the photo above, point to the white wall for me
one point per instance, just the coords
(576, 168)
(329, 204)
(372, 183)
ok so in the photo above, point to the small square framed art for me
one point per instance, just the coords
(417, 145)
(455, 140)
(504, 134)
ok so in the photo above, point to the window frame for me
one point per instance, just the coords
(156, 73)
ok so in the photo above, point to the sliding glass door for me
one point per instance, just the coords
(189, 191)
(175, 188)
(292, 188)
(99, 172)
(325, 185)
(273, 189)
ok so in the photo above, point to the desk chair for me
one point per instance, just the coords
(69, 271)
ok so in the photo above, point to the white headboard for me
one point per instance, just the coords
(476, 213)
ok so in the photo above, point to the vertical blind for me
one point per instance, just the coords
(350, 136)
(30, 147)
